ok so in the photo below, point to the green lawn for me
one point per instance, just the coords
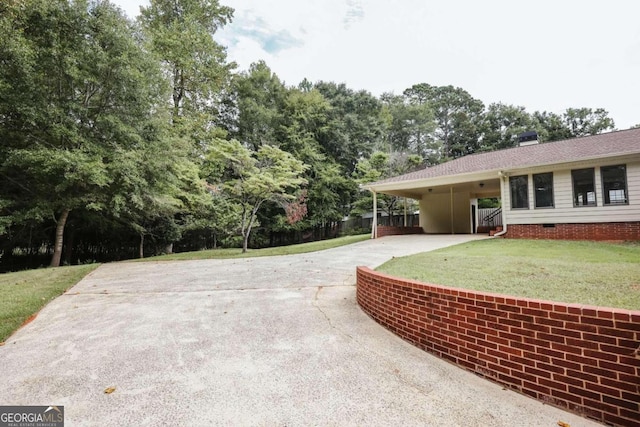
(280, 250)
(24, 293)
(590, 273)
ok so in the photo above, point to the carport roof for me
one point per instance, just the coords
(612, 144)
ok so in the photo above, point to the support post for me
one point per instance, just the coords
(452, 228)
(374, 223)
(405, 211)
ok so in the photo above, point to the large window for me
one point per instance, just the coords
(614, 184)
(543, 190)
(519, 192)
(584, 190)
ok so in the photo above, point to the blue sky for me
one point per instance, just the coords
(544, 55)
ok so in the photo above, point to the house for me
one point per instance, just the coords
(582, 188)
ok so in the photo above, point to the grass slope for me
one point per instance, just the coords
(24, 293)
(590, 273)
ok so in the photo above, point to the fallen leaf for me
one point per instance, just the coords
(109, 390)
(2, 343)
(563, 424)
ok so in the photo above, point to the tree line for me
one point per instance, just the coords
(123, 138)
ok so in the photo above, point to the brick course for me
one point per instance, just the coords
(610, 231)
(579, 358)
(386, 230)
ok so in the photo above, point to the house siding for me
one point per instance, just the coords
(564, 212)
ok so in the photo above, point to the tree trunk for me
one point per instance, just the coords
(168, 249)
(245, 241)
(59, 239)
(141, 246)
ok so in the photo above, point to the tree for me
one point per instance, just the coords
(458, 117)
(257, 97)
(253, 178)
(354, 124)
(587, 121)
(502, 125)
(181, 34)
(76, 90)
(410, 126)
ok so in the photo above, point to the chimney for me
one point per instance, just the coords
(528, 138)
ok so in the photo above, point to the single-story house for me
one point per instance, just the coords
(582, 188)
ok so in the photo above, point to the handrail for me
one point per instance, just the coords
(492, 215)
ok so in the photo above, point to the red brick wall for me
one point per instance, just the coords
(594, 231)
(386, 230)
(579, 358)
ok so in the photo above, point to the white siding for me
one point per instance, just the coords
(564, 211)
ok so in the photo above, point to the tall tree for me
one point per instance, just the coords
(587, 121)
(354, 124)
(258, 96)
(253, 178)
(458, 117)
(502, 125)
(76, 91)
(410, 126)
(181, 34)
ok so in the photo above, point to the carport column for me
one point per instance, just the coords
(374, 223)
(405, 211)
(452, 211)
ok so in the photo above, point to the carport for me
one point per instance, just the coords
(448, 204)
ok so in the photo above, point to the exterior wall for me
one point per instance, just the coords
(579, 358)
(435, 213)
(385, 230)
(564, 212)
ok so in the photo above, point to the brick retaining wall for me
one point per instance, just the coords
(576, 357)
(612, 231)
(386, 230)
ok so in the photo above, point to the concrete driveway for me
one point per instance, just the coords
(276, 341)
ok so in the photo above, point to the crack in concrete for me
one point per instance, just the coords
(326, 316)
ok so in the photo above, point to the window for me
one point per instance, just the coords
(614, 184)
(519, 192)
(584, 193)
(543, 186)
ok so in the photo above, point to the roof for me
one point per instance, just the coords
(612, 144)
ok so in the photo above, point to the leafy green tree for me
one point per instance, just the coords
(502, 125)
(257, 96)
(587, 121)
(181, 35)
(354, 124)
(458, 117)
(253, 178)
(76, 91)
(410, 126)
(550, 126)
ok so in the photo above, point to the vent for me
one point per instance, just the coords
(528, 138)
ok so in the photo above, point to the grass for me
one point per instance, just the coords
(280, 250)
(24, 293)
(590, 273)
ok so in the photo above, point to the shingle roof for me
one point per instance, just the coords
(610, 144)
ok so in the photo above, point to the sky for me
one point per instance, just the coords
(544, 55)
